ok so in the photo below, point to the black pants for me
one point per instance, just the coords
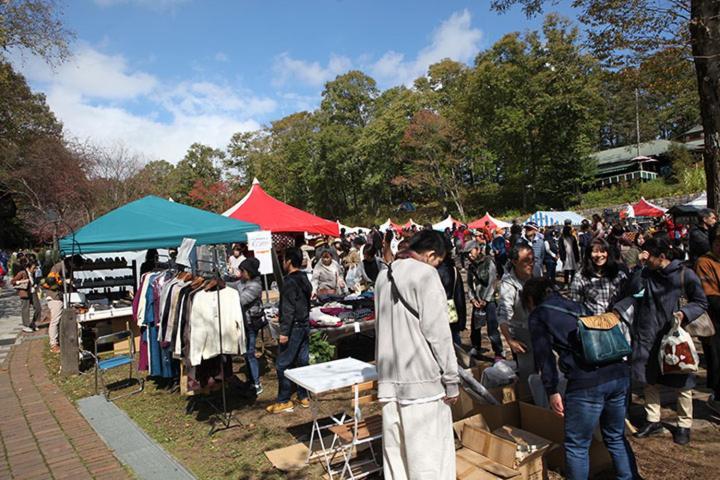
(25, 310)
(711, 348)
(550, 271)
(492, 330)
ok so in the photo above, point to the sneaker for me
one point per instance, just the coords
(650, 428)
(258, 389)
(278, 407)
(304, 402)
(27, 329)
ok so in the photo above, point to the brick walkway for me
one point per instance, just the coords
(42, 434)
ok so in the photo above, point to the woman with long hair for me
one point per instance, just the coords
(569, 253)
(600, 279)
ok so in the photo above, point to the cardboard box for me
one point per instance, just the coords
(500, 457)
(467, 405)
(523, 422)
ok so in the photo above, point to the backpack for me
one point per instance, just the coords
(601, 338)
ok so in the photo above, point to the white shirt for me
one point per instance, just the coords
(234, 264)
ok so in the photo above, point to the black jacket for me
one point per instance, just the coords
(699, 243)
(448, 274)
(653, 296)
(294, 302)
(575, 249)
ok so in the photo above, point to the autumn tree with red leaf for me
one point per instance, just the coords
(433, 151)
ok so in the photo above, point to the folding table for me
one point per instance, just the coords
(324, 378)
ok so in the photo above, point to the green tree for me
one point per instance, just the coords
(433, 152)
(34, 26)
(662, 87)
(202, 163)
(280, 156)
(624, 32)
(348, 100)
(157, 178)
(245, 155)
(25, 122)
(378, 151)
(534, 102)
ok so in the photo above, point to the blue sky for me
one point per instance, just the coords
(158, 75)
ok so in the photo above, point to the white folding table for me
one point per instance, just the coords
(323, 378)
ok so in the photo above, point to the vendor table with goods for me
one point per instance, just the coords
(102, 298)
(339, 317)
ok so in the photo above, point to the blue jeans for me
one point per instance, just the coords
(605, 403)
(295, 353)
(250, 359)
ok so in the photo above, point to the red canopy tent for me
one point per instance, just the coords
(390, 225)
(410, 224)
(273, 215)
(494, 222)
(643, 208)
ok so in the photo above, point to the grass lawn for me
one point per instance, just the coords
(236, 453)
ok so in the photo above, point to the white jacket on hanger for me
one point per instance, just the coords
(204, 331)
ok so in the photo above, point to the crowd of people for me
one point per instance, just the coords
(644, 280)
(523, 288)
(510, 286)
(36, 276)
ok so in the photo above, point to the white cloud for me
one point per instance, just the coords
(93, 95)
(289, 69)
(202, 98)
(92, 74)
(221, 57)
(455, 38)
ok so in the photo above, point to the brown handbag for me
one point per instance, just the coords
(702, 326)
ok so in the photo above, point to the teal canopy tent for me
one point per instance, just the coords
(152, 222)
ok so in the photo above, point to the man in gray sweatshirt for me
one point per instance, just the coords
(417, 369)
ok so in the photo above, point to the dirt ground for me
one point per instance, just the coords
(182, 426)
(658, 457)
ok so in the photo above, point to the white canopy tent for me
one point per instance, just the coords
(362, 230)
(700, 201)
(447, 223)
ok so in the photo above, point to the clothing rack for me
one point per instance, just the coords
(226, 418)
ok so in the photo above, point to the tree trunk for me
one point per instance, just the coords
(705, 39)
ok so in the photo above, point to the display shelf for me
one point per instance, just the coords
(120, 282)
(126, 283)
(103, 266)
